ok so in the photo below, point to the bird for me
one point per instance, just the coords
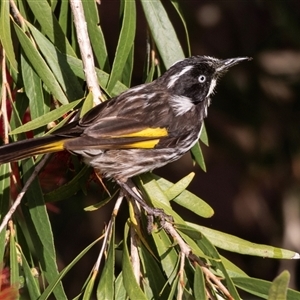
(143, 128)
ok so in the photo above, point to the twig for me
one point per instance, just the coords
(186, 251)
(108, 230)
(3, 98)
(85, 50)
(17, 202)
(134, 240)
(16, 14)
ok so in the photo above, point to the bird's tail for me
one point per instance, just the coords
(26, 148)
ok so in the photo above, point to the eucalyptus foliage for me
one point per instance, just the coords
(45, 75)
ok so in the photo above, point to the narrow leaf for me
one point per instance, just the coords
(167, 254)
(5, 35)
(163, 32)
(132, 288)
(279, 287)
(199, 284)
(46, 18)
(216, 262)
(152, 273)
(125, 42)
(234, 244)
(60, 68)
(40, 66)
(177, 188)
(95, 33)
(187, 199)
(105, 289)
(30, 281)
(260, 288)
(203, 135)
(40, 229)
(198, 156)
(33, 89)
(120, 292)
(47, 118)
(87, 104)
(4, 203)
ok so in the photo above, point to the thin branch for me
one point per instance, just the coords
(186, 251)
(134, 240)
(16, 14)
(85, 50)
(17, 202)
(3, 98)
(108, 230)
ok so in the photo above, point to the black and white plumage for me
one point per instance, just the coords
(143, 128)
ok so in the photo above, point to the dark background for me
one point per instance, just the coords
(253, 161)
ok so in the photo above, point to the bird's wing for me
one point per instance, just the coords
(119, 125)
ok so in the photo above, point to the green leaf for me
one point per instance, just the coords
(190, 231)
(120, 292)
(163, 32)
(128, 68)
(279, 287)
(132, 288)
(88, 290)
(186, 199)
(33, 89)
(95, 33)
(76, 66)
(4, 203)
(198, 156)
(106, 288)
(46, 18)
(47, 118)
(63, 19)
(40, 66)
(216, 262)
(180, 13)
(125, 42)
(87, 104)
(173, 288)
(60, 68)
(232, 269)
(177, 188)
(5, 35)
(199, 284)
(30, 281)
(260, 288)
(13, 265)
(153, 276)
(40, 229)
(167, 254)
(234, 244)
(203, 135)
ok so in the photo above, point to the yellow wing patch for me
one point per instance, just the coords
(142, 145)
(148, 132)
(51, 147)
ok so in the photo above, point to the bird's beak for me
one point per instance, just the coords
(225, 64)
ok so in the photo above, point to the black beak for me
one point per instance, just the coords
(225, 64)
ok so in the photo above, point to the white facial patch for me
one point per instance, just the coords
(212, 87)
(175, 77)
(181, 104)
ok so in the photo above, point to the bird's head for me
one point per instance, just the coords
(193, 80)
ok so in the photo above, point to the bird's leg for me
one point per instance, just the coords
(129, 187)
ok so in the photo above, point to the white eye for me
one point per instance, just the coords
(202, 78)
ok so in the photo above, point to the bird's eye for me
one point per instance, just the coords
(202, 78)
